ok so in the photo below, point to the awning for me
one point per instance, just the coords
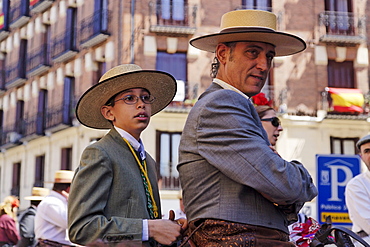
(346, 99)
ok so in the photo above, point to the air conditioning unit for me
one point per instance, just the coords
(13, 137)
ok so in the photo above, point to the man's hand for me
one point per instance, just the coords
(164, 231)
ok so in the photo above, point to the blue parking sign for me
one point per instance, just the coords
(333, 173)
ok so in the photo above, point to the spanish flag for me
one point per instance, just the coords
(1, 21)
(346, 99)
(33, 2)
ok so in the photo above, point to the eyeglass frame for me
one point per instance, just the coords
(275, 121)
(151, 98)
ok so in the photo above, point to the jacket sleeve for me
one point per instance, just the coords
(231, 138)
(90, 190)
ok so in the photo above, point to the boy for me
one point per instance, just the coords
(114, 195)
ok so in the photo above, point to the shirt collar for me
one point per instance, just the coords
(225, 85)
(137, 145)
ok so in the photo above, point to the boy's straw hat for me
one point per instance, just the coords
(251, 25)
(38, 194)
(160, 84)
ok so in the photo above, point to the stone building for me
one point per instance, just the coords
(51, 51)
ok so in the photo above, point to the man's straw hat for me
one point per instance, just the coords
(251, 25)
(63, 176)
(160, 84)
(38, 194)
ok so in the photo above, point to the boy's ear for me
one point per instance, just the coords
(107, 113)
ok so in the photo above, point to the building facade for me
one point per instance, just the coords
(51, 51)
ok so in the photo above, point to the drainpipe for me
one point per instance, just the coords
(132, 50)
(120, 31)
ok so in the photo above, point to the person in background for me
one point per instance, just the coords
(235, 188)
(270, 122)
(116, 181)
(27, 218)
(51, 224)
(9, 235)
(357, 194)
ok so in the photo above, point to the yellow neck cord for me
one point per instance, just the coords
(145, 172)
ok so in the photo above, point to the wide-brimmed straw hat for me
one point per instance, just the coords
(160, 84)
(63, 176)
(251, 25)
(38, 193)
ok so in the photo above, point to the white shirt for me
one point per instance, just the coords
(138, 146)
(357, 196)
(51, 220)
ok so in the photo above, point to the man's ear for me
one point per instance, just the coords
(222, 52)
(107, 113)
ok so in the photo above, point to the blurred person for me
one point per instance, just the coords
(116, 181)
(357, 194)
(51, 220)
(270, 122)
(27, 218)
(236, 190)
(9, 235)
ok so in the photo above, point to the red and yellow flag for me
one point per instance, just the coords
(33, 2)
(1, 21)
(346, 99)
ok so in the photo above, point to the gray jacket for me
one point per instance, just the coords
(225, 165)
(107, 199)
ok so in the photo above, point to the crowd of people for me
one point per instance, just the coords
(236, 189)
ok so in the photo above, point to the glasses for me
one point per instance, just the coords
(133, 99)
(275, 121)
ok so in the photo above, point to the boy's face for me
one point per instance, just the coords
(133, 118)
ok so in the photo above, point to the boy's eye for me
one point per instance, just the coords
(145, 97)
(130, 98)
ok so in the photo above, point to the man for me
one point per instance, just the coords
(357, 194)
(27, 218)
(236, 190)
(114, 196)
(51, 216)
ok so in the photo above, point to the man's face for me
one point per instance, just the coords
(365, 154)
(245, 66)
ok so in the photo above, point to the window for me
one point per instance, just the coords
(41, 112)
(16, 179)
(39, 171)
(2, 71)
(68, 100)
(167, 155)
(343, 145)
(341, 75)
(22, 59)
(6, 12)
(66, 159)
(176, 65)
(172, 12)
(19, 116)
(340, 16)
(71, 29)
(257, 4)
(100, 20)
(102, 68)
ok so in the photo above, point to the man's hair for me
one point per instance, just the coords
(61, 186)
(216, 64)
(35, 203)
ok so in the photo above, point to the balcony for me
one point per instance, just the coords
(94, 29)
(10, 136)
(342, 28)
(38, 61)
(19, 13)
(2, 81)
(176, 19)
(60, 116)
(38, 6)
(64, 46)
(4, 27)
(33, 127)
(15, 75)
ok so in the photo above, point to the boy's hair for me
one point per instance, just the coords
(61, 186)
